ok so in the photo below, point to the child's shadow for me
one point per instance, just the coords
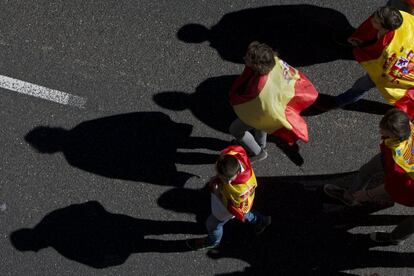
(303, 239)
(210, 105)
(138, 146)
(302, 34)
(90, 235)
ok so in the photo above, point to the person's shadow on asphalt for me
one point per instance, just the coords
(139, 146)
(307, 236)
(210, 104)
(88, 234)
(302, 34)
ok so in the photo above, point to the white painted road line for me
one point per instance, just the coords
(41, 92)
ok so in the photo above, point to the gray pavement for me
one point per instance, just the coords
(114, 188)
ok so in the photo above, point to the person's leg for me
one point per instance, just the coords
(241, 132)
(356, 92)
(258, 220)
(212, 240)
(254, 217)
(260, 137)
(373, 168)
(214, 229)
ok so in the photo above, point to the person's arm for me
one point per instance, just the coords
(365, 32)
(369, 195)
(214, 186)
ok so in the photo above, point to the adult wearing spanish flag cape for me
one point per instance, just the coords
(395, 167)
(384, 46)
(268, 98)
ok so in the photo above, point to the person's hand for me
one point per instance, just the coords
(354, 41)
(214, 186)
(361, 196)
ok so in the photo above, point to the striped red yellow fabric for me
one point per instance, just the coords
(273, 102)
(238, 195)
(399, 169)
(392, 69)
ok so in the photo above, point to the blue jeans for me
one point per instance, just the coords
(356, 92)
(215, 226)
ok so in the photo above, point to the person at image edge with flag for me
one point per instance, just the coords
(384, 46)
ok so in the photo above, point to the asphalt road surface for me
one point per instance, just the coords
(107, 177)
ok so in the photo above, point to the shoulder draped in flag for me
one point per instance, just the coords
(273, 102)
(238, 196)
(390, 64)
(399, 169)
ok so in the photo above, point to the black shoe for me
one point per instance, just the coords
(340, 194)
(384, 238)
(200, 243)
(261, 156)
(262, 226)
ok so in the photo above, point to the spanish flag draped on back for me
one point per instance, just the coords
(238, 195)
(273, 102)
(399, 169)
(390, 63)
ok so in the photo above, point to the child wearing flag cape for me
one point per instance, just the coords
(383, 45)
(396, 164)
(268, 98)
(232, 195)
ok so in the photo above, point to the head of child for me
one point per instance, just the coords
(386, 19)
(395, 124)
(227, 168)
(260, 58)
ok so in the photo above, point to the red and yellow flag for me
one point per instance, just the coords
(238, 195)
(399, 169)
(390, 64)
(273, 102)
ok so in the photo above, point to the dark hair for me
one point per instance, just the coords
(227, 166)
(397, 122)
(389, 17)
(260, 57)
